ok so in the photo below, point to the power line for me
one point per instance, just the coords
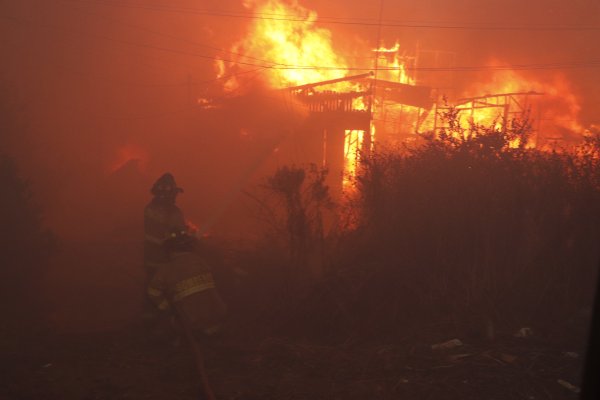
(141, 45)
(158, 33)
(55, 63)
(276, 66)
(190, 41)
(473, 68)
(118, 82)
(342, 21)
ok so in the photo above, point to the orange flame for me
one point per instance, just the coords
(291, 46)
(557, 113)
(295, 47)
(294, 50)
(393, 64)
(353, 142)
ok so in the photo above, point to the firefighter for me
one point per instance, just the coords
(161, 217)
(185, 284)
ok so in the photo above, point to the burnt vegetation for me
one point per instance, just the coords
(470, 234)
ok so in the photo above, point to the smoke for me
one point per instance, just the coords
(103, 95)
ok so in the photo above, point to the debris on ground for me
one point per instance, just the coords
(569, 386)
(123, 364)
(450, 344)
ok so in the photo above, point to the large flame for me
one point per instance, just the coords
(289, 49)
(292, 46)
(296, 52)
(556, 111)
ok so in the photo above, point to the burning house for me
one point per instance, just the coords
(342, 124)
(394, 95)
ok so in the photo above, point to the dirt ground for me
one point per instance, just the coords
(92, 345)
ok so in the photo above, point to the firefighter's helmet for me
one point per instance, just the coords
(165, 186)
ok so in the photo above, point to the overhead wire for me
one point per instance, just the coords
(92, 76)
(340, 20)
(190, 41)
(209, 81)
(275, 66)
(135, 44)
(170, 36)
(56, 64)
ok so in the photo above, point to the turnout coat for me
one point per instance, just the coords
(186, 280)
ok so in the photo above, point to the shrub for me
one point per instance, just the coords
(472, 230)
(25, 243)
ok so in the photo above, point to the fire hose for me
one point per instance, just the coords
(195, 346)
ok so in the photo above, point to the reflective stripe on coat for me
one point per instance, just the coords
(187, 280)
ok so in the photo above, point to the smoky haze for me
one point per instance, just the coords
(99, 97)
